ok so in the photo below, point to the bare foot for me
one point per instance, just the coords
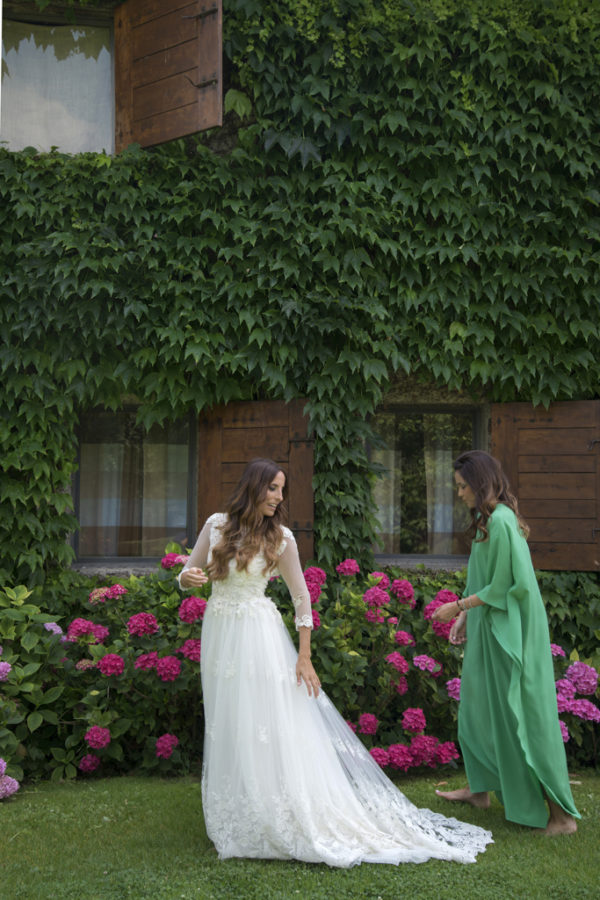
(562, 825)
(480, 799)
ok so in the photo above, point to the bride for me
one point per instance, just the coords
(283, 776)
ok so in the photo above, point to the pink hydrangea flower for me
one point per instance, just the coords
(453, 688)
(173, 559)
(2, 767)
(376, 597)
(423, 748)
(372, 615)
(400, 757)
(442, 629)
(367, 723)
(564, 731)
(404, 592)
(413, 720)
(404, 638)
(566, 687)
(97, 737)
(396, 660)
(348, 567)
(111, 664)
(557, 650)
(351, 726)
(8, 786)
(192, 609)
(402, 686)
(584, 677)
(382, 579)
(5, 670)
(585, 709)
(165, 745)
(142, 623)
(146, 660)
(564, 702)
(98, 595)
(316, 619)
(168, 668)
(392, 620)
(427, 664)
(315, 575)
(89, 762)
(381, 756)
(191, 649)
(446, 752)
(53, 628)
(83, 627)
(314, 591)
(82, 665)
(116, 590)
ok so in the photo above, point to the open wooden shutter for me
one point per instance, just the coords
(230, 436)
(168, 80)
(552, 458)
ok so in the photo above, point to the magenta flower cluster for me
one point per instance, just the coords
(382, 579)
(441, 629)
(404, 592)
(396, 660)
(423, 750)
(173, 559)
(165, 745)
(367, 723)
(84, 628)
(5, 670)
(191, 649)
(8, 785)
(192, 609)
(111, 664)
(101, 595)
(89, 763)
(579, 679)
(427, 664)
(142, 624)
(315, 579)
(413, 720)
(97, 737)
(348, 567)
(453, 688)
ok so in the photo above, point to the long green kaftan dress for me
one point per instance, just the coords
(508, 720)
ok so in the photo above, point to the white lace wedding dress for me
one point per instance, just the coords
(283, 775)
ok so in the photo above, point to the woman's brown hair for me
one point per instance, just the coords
(247, 531)
(485, 476)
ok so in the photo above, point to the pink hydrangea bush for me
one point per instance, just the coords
(8, 785)
(192, 609)
(142, 624)
(97, 737)
(348, 567)
(165, 745)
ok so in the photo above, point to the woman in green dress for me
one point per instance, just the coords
(508, 724)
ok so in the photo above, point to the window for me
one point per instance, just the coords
(133, 492)
(98, 78)
(419, 512)
(57, 87)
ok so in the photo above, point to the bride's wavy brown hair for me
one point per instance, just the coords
(485, 476)
(247, 531)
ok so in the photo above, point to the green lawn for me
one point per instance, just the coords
(145, 838)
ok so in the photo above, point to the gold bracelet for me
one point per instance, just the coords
(458, 602)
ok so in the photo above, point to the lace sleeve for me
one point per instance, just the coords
(291, 572)
(199, 555)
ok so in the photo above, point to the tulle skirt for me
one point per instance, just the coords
(284, 777)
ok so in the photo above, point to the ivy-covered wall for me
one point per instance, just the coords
(413, 189)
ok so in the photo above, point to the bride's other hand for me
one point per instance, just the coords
(305, 673)
(193, 577)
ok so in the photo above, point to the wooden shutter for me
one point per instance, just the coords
(552, 458)
(230, 436)
(168, 80)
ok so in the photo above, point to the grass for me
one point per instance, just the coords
(144, 838)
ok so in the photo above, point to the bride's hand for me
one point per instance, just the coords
(305, 673)
(193, 577)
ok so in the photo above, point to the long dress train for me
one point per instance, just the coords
(284, 777)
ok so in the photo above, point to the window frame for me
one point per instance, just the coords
(481, 421)
(131, 564)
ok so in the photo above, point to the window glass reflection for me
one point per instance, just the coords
(418, 510)
(57, 88)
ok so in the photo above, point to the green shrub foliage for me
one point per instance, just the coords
(413, 188)
(372, 661)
